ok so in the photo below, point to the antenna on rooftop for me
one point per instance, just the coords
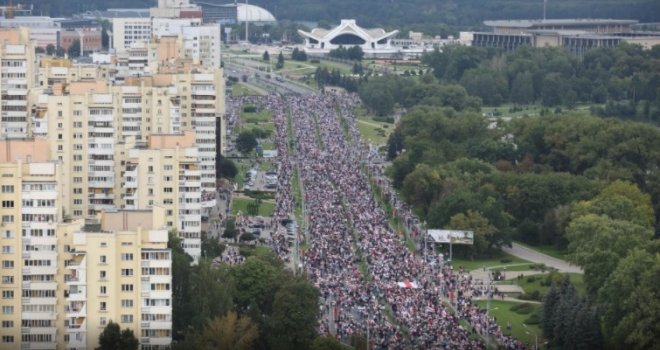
(545, 2)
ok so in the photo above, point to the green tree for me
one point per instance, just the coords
(522, 89)
(211, 247)
(50, 49)
(422, 187)
(246, 142)
(483, 230)
(105, 39)
(266, 56)
(597, 243)
(112, 338)
(293, 323)
(227, 333)
(280, 61)
(74, 49)
(631, 303)
(212, 291)
(328, 343)
(181, 270)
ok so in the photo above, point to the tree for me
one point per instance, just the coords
(266, 56)
(631, 303)
(280, 61)
(227, 333)
(112, 338)
(293, 323)
(422, 187)
(597, 243)
(211, 247)
(181, 270)
(50, 49)
(105, 39)
(39, 50)
(483, 230)
(226, 167)
(59, 52)
(522, 89)
(74, 49)
(246, 142)
(328, 343)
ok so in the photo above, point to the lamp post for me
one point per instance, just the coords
(536, 337)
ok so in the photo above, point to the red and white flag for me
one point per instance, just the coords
(408, 284)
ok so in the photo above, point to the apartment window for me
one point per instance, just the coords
(60, 148)
(77, 212)
(103, 306)
(126, 303)
(7, 279)
(7, 338)
(7, 188)
(127, 272)
(7, 324)
(126, 287)
(151, 168)
(7, 294)
(103, 321)
(167, 167)
(167, 189)
(126, 318)
(6, 219)
(7, 204)
(7, 264)
(103, 259)
(77, 201)
(7, 310)
(102, 275)
(103, 290)
(127, 256)
(7, 249)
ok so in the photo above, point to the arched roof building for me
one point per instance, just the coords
(234, 13)
(373, 42)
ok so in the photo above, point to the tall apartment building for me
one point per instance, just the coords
(165, 172)
(17, 69)
(115, 269)
(30, 214)
(62, 282)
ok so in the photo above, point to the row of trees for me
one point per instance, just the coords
(625, 77)
(522, 177)
(382, 94)
(323, 76)
(255, 305)
(353, 53)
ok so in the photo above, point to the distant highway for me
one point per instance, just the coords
(277, 83)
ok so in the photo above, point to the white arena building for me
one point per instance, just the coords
(374, 42)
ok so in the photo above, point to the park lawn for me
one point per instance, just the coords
(501, 310)
(513, 263)
(261, 125)
(257, 117)
(240, 204)
(373, 134)
(529, 287)
(240, 176)
(547, 250)
(239, 89)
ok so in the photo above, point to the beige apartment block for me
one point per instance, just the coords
(29, 194)
(116, 268)
(17, 69)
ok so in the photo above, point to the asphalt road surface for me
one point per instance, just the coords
(540, 258)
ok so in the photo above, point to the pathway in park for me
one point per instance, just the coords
(540, 258)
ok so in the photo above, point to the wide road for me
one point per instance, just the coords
(540, 258)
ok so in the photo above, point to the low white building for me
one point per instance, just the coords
(374, 42)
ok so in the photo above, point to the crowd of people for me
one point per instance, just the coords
(371, 284)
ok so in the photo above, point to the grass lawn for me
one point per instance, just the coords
(547, 250)
(257, 117)
(240, 204)
(372, 130)
(530, 287)
(261, 125)
(513, 263)
(243, 90)
(501, 310)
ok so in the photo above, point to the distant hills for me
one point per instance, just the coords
(427, 15)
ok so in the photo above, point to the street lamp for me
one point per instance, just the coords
(536, 337)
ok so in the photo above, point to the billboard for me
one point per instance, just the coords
(452, 236)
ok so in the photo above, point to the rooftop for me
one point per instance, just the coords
(529, 23)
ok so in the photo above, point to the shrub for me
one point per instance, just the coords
(532, 279)
(535, 295)
(533, 319)
(522, 308)
(505, 260)
(247, 237)
(249, 109)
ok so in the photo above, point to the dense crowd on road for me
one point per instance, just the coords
(371, 284)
